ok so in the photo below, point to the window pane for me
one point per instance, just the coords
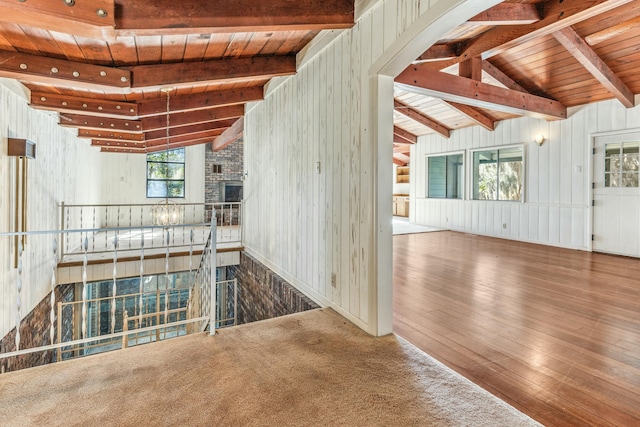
(175, 188)
(156, 189)
(166, 173)
(631, 147)
(437, 167)
(485, 170)
(629, 179)
(454, 176)
(157, 170)
(510, 180)
(176, 155)
(611, 150)
(175, 171)
(629, 163)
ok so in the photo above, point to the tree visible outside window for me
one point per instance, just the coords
(445, 176)
(621, 164)
(497, 174)
(165, 174)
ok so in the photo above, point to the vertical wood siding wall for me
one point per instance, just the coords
(124, 177)
(305, 225)
(557, 186)
(65, 169)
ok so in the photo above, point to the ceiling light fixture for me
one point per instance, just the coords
(167, 213)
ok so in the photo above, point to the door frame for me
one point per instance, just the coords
(590, 164)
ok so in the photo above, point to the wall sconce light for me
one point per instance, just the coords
(539, 139)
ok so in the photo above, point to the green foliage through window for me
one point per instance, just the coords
(621, 164)
(165, 173)
(497, 174)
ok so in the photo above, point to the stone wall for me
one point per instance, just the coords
(230, 169)
(262, 294)
(34, 332)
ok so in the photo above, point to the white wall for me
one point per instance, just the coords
(65, 168)
(124, 177)
(556, 210)
(308, 226)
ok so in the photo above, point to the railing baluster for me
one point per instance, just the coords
(52, 315)
(141, 277)
(85, 261)
(212, 278)
(19, 294)
(115, 281)
(166, 283)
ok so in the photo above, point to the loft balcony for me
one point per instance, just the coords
(115, 280)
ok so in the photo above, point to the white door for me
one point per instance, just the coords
(616, 195)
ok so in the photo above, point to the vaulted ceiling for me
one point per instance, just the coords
(109, 66)
(521, 57)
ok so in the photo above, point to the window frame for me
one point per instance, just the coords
(167, 180)
(472, 190)
(463, 180)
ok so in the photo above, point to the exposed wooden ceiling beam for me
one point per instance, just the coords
(577, 47)
(189, 129)
(120, 144)
(127, 150)
(401, 159)
(473, 114)
(192, 16)
(92, 122)
(508, 14)
(611, 32)
(180, 144)
(112, 136)
(402, 149)
(555, 16)
(229, 136)
(405, 136)
(159, 142)
(422, 80)
(162, 75)
(73, 104)
(198, 101)
(192, 117)
(471, 68)
(399, 162)
(60, 72)
(438, 52)
(87, 18)
(420, 117)
(497, 74)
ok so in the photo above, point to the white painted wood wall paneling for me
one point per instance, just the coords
(557, 187)
(308, 226)
(65, 169)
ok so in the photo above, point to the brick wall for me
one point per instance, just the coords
(262, 294)
(230, 158)
(34, 332)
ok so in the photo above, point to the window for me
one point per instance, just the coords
(165, 173)
(498, 174)
(445, 176)
(621, 164)
(216, 169)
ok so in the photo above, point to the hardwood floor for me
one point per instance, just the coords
(553, 332)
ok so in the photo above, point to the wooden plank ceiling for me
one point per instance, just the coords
(521, 57)
(108, 66)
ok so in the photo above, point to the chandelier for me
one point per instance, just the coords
(167, 213)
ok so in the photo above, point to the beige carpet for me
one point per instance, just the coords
(313, 368)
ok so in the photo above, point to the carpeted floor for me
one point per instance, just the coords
(312, 368)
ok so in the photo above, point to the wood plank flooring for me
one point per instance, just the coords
(553, 332)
